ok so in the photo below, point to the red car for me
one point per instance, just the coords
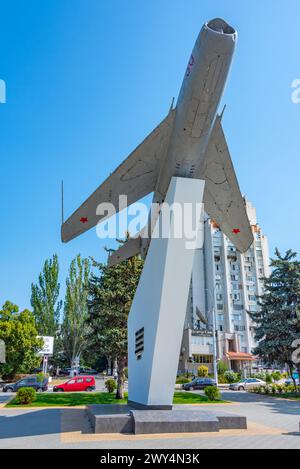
(78, 383)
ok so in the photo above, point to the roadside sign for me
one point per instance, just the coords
(48, 346)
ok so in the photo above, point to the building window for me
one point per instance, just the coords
(252, 297)
(203, 359)
(237, 317)
(220, 317)
(239, 329)
(219, 297)
(238, 307)
(220, 307)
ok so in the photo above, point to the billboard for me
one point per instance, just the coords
(48, 345)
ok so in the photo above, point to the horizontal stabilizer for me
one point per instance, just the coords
(222, 197)
(135, 178)
(131, 248)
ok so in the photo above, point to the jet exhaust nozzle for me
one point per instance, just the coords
(220, 26)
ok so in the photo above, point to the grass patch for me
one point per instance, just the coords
(289, 395)
(71, 399)
(191, 398)
(81, 399)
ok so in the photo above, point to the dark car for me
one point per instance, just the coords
(87, 371)
(199, 384)
(65, 371)
(29, 382)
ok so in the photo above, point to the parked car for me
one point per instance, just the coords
(76, 384)
(87, 371)
(247, 384)
(199, 384)
(29, 382)
(64, 372)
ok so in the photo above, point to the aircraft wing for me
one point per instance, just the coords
(135, 177)
(222, 197)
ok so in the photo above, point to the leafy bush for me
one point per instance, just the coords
(25, 396)
(203, 371)
(231, 377)
(261, 375)
(182, 380)
(274, 389)
(222, 367)
(276, 376)
(221, 379)
(40, 377)
(269, 379)
(279, 388)
(110, 385)
(212, 393)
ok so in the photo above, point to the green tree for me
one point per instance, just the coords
(222, 368)
(75, 325)
(111, 295)
(18, 331)
(44, 299)
(276, 376)
(203, 371)
(278, 320)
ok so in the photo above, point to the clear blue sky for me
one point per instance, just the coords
(88, 79)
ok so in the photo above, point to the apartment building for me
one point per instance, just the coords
(225, 285)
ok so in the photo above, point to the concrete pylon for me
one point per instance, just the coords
(157, 316)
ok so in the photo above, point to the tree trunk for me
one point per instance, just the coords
(291, 367)
(121, 378)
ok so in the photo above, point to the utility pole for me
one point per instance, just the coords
(214, 332)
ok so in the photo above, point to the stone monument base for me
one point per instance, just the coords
(127, 419)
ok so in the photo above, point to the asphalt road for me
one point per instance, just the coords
(273, 423)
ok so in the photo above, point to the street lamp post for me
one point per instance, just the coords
(215, 354)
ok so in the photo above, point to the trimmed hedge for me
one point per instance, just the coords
(212, 393)
(25, 396)
(110, 385)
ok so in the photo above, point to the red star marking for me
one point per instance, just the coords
(84, 219)
(236, 231)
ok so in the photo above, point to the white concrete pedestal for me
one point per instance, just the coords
(157, 316)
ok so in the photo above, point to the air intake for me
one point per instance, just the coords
(220, 26)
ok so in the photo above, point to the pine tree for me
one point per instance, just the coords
(111, 295)
(44, 299)
(75, 325)
(278, 320)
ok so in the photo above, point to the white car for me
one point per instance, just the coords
(247, 384)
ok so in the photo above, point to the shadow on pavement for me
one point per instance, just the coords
(16, 424)
(276, 405)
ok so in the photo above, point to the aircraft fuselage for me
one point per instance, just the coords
(198, 102)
